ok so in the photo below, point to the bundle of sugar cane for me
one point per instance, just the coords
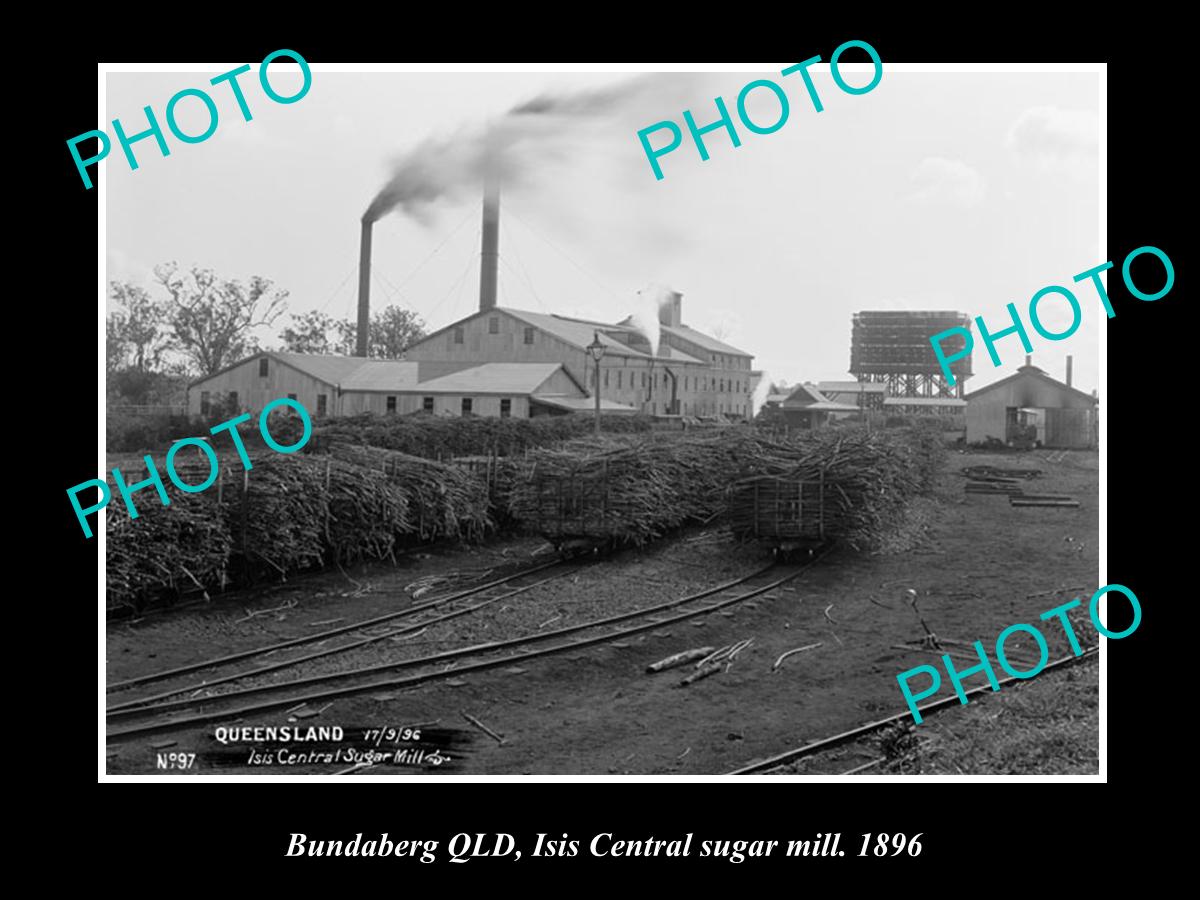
(167, 549)
(499, 474)
(366, 511)
(443, 500)
(436, 437)
(602, 488)
(633, 488)
(277, 514)
(865, 480)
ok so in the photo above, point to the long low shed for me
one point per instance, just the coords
(349, 385)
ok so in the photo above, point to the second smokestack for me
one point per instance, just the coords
(364, 290)
(1070, 360)
(490, 261)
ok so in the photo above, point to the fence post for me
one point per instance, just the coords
(328, 468)
(245, 507)
(821, 505)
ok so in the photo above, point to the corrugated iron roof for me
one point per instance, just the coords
(382, 375)
(924, 401)
(703, 340)
(824, 406)
(351, 372)
(805, 396)
(330, 369)
(1030, 372)
(851, 387)
(578, 332)
(583, 404)
(492, 378)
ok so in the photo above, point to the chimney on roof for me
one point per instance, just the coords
(1069, 361)
(490, 257)
(670, 309)
(1028, 360)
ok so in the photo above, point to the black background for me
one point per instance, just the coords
(981, 828)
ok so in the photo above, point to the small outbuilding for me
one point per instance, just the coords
(1031, 406)
(806, 407)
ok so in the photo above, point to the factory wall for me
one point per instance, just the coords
(479, 344)
(412, 401)
(254, 390)
(701, 390)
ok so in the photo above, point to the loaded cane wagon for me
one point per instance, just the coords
(786, 513)
(575, 513)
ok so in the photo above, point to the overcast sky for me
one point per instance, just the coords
(934, 191)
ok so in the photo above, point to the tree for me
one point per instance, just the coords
(115, 345)
(309, 333)
(136, 333)
(393, 330)
(213, 319)
(346, 342)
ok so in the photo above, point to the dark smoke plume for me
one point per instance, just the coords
(511, 148)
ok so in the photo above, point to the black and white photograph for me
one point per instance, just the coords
(609, 421)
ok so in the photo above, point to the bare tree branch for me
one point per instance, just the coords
(213, 319)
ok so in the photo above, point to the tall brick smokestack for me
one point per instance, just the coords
(1070, 360)
(364, 289)
(490, 262)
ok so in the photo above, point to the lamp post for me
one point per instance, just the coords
(596, 350)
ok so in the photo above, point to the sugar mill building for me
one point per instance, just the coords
(502, 362)
(691, 373)
(688, 373)
(1030, 404)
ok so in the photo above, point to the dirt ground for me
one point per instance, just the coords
(1049, 725)
(982, 566)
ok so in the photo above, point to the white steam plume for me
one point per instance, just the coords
(761, 390)
(645, 316)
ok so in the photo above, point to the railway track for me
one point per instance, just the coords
(422, 615)
(789, 756)
(197, 711)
